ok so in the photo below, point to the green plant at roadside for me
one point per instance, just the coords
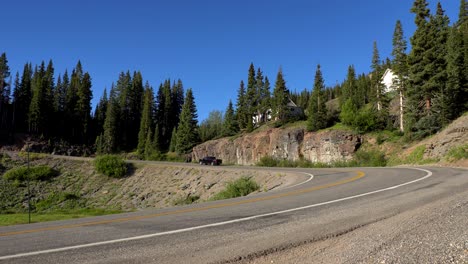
(35, 173)
(240, 187)
(22, 218)
(184, 200)
(417, 156)
(457, 153)
(32, 155)
(111, 165)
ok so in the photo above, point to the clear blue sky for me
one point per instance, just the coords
(209, 44)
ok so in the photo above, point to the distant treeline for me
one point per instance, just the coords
(431, 88)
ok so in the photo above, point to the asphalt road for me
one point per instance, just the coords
(333, 203)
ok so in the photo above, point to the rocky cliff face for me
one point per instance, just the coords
(290, 144)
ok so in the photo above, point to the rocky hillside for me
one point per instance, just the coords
(282, 143)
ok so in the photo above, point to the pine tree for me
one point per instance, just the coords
(4, 83)
(177, 95)
(172, 146)
(38, 107)
(146, 119)
(265, 101)
(230, 125)
(418, 100)
(280, 98)
(242, 111)
(317, 110)
(22, 99)
(187, 131)
(83, 107)
(111, 133)
(376, 84)
(400, 67)
(100, 113)
(450, 103)
(135, 109)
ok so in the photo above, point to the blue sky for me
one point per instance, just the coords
(209, 44)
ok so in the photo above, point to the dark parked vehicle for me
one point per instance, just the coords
(209, 160)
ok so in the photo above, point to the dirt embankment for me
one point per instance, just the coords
(149, 185)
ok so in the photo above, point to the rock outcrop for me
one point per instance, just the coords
(289, 144)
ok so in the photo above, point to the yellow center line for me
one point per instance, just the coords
(359, 175)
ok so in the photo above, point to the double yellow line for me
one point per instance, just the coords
(359, 175)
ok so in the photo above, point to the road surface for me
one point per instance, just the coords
(338, 215)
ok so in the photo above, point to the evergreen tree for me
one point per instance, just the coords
(38, 107)
(177, 102)
(252, 96)
(242, 110)
(146, 119)
(172, 146)
(100, 113)
(135, 109)
(83, 107)
(450, 103)
(350, 89)
(123, 93)
(376, 84)
(280, 98)
(22, 99)
(187, 131)
(418, 100)
(4, 87)
(317, 110)
(230, 124)
(111, 133)
(400, 68)
(265, 101)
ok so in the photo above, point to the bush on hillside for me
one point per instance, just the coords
(111, 165)
(240, 187)
(35, 173)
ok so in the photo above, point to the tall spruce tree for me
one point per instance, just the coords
(317, 110)
(400, 67)
(83, 108)
(146, 119)
(187, 131)
(38, 107)
(4, 87)
(22, 99)
(230, 125)
(376, 84)
(242, 107)
(111, 130)
(280, 98)
(100, 113)
(418, 99)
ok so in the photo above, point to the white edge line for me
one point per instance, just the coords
(429, 174)
(311, 176)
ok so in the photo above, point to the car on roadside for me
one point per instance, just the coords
(210, 160)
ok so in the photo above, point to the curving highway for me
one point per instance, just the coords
(326, 204)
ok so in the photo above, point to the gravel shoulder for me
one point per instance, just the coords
(432, 233)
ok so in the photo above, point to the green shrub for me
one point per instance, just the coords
(372, 158)
(32, 155)
(184, 200)
(417, 156)
(35, 173)
(111, 165)
(240, 187)
(268, 161)
(457, 153)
